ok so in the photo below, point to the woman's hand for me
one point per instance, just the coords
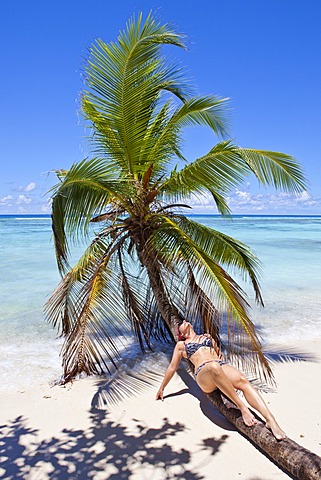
(160, 395)
(176, 358)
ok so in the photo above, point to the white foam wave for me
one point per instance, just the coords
(32, 218)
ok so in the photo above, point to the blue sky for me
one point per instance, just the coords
(262, 54)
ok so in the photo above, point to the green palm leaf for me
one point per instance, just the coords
(274, 168)
(97, 318)
(227, 165)
(219, 171)
(207, 111)
(125, 81)
(200, 306)
(225, 250)
(86, 189)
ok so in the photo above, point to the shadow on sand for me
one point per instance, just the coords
(108, 449)
(105, 450)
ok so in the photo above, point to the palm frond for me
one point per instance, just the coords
(221, 203)
(87, 189)
(106, 140)
(59, 309)
(58, 229)
(125, 81)
(218, 171)
(135, 302)
(207, 111)
(161, 152)
(227, 165)
(88, 310)
(225, 250)
(274, 168)
(202, 110)
(91, 346)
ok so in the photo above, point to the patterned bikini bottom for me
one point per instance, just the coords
(220, 362)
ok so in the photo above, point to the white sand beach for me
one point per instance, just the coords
(59, 433)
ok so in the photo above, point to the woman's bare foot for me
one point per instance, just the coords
(275, 429)
(248, 418)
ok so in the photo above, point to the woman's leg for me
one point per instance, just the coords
(212, 376)
(240, 382)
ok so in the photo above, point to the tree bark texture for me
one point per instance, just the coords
(167, 310)
(286, 454)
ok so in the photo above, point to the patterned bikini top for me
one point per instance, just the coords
(192, 347)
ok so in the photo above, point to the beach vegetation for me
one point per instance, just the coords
(148, 263)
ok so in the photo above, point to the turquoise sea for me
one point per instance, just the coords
(289, 248)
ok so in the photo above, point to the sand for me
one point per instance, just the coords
(67, 433)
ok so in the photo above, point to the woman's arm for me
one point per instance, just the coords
(176, 358)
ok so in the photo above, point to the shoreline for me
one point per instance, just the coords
(60, 433)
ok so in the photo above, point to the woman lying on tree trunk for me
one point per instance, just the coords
(212, 372)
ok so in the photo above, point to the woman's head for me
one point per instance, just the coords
(180, 336)
(183, 330)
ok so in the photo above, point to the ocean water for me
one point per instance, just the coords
(288, 247)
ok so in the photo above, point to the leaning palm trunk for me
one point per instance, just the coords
(168, 311)
(287, 454)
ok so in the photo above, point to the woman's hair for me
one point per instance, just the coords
(179, 335)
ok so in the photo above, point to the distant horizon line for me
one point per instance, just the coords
(48, 215)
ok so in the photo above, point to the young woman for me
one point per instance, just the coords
(212, 372)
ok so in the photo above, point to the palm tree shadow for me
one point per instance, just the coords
(133, 381)
(273, 352)
(135, 378)
(107, 447)
(206, 406)
(288, 355)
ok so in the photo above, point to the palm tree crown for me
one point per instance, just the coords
(150, 266)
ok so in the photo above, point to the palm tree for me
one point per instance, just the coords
(149, 266)
(166, 266)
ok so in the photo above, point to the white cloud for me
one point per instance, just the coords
(31, 186)
(204, 200)
(7, 200)
(46, 208)
(28, 188)
(23, 199)
(243, 201)
(243, 195)
(305, 197)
